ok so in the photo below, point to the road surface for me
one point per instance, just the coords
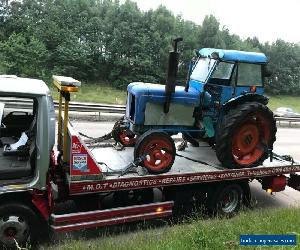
(288, 142)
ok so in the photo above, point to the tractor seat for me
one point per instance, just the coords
(149, 92)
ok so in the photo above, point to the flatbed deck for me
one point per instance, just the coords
(183, 171)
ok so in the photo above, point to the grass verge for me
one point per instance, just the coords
(284, 101)
(100, 93)
(199, 234)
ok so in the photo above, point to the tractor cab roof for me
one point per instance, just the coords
(234, 55)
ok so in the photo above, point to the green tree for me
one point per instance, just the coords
(284, 64)
(103, 40)
(23, 57)
(210, 35)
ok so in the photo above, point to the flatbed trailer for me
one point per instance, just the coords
(195, 171)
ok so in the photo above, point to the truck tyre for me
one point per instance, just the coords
(244, 135)
(18, 223)
(225, 200)
(159, 151)
(188, 199)
(123, 135)
(133, 197)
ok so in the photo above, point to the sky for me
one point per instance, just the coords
(266, 19)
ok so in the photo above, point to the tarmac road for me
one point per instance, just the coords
(288, 142)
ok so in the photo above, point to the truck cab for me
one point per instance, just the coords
(27, 133)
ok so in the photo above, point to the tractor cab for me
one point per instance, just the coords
(228, 74)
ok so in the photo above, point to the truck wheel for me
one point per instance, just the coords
(123, 135)
(187, 199)
(244, 135)
(133, 197)
(225, 200)
(18, 223)
(159, 149)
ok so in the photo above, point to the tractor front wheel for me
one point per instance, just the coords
(159, 151)
(123, 135)
(245, 135)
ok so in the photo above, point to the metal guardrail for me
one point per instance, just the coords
(102, 108)
(73, 106)
(289, 120)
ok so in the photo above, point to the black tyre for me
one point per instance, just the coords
(87, 202)
(133, 197)
(187, 199)
(18, 223)
(225, 200)
(159, 149)
(123, 135)
(244, 135)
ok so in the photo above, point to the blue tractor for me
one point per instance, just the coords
(223, 103)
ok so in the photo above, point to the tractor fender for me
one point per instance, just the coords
(249, 97)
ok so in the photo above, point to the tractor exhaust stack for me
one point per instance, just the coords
(172, 73)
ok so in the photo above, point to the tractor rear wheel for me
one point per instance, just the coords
(244, 135)
(159, 151)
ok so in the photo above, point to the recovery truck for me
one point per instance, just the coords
(107, 186)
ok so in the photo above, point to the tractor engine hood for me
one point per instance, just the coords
(150, 92)
(142, 95)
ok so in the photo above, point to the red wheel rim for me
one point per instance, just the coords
(250, 139)
(127, 138)
(159, 154)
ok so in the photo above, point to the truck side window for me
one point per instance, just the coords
(18, 116)
(249, 75)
